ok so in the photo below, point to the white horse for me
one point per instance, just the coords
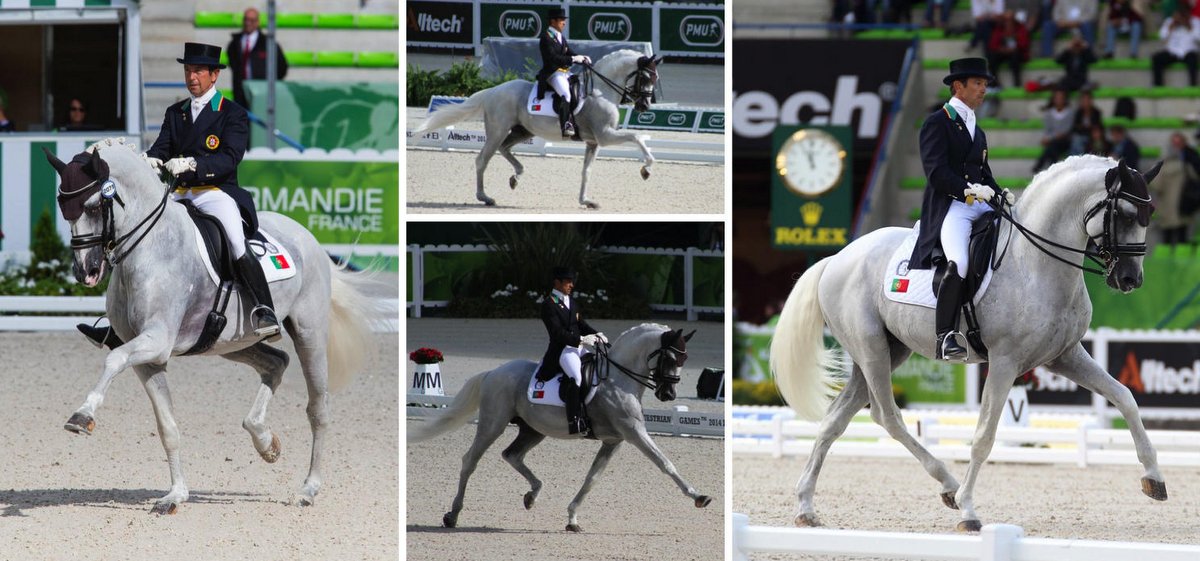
(507, 122)
(616, 413)
(1034, 313)
(159, 296)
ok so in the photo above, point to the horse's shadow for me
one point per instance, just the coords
(419, 529)
(16, 502)
(459, 206)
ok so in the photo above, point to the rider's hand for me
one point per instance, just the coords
(1008, 197)
(588, 341)
(979, 191)
(154, 162)
(179, 166)
(579, 59)
(602, 338)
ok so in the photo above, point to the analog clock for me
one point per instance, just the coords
(811, 162)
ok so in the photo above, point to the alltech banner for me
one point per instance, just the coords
(439, 23)
(1160, 374)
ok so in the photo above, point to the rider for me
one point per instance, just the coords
(557, 57)
(202, 140)
(958, 185)
(570, 336)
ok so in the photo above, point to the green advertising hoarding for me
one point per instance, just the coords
(691, 30)
(499, 19)
(611, 22)
(340, 202)
(330, 115)
(682, 119)
(810, 196)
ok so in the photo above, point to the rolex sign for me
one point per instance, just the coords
(811, 173)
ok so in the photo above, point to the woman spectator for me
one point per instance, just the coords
(1009, 43)
(1087, 116)
(1123, 18)
(1180, 171)
(1056, 136)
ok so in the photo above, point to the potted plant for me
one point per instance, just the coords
(427, 375)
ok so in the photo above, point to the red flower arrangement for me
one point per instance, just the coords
(425, 355)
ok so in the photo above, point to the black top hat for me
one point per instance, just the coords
(968, 68)
(199, 53)
(563, 273)
(556, 13)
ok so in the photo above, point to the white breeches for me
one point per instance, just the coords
(956, 231)
(216, 203)
(570, 363)
(558, 81)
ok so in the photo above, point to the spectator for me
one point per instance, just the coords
(986, 13)
(1056, 136)
(1069, 15)
(897, 11)
(1087, 117)
(1075, 60)
(1178, 34)
(247, 52)
(1096, 142)
(1009, 43)
(1124, 147)
(1181, 170)
(5, 124)
(1027, 12)
(77, 117)
(1124, 18)
(942, 17)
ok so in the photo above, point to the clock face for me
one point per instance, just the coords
(811, 162)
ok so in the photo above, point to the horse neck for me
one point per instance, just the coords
(163, 237)
(631, 355)
(1054, 208)
(615, 67)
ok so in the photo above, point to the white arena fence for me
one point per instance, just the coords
(663, 150)
(28, 313)
(763, 431)
(996, 542)
(677, 422)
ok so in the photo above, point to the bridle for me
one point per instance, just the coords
(663, 373)
(71, 205)
(1103, 249)
(644, 79)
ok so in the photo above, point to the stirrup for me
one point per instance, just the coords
(265, 324)
(948, 348)
(568, 131)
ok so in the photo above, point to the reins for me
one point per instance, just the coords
(604, 361)
(627, 93)
(107, 236)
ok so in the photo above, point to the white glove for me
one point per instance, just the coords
(602, 338)
(154, 162)
(588, 341)
(580, 59)
(178, 166)
(981, 192)
(1008, 196)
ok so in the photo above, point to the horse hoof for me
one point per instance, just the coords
(270, 455)
(948, 500)
(807, 521)
(574, 528)
(449, 521)
(529, 499)
(512, 182)
(702, 501)
(645, 173)
(164, 507)
(81, 424)
(1156, 490)
(969, 526)
(305, 500)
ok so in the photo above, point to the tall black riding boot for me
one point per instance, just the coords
(563, 108)
(254, 285)
(570, 397)
(948, 306)
(100, 336)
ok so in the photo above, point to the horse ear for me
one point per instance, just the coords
(688, 337)
(95, 167)
(1150, 175)
(658, 61)
(56, 163)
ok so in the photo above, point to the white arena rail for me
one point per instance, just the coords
(663, 150)
(997, 542)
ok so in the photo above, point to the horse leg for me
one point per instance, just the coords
(589, 156)
(486, 433)
(154, 379)
(148, 347)
(527, 438)
(270, 363)
(613, 136)
(1077, 365)
(496, 136)
(310, 341)
(1001, 374)
(518, 135)
(852, 399)
(641, 439)
(598, 464)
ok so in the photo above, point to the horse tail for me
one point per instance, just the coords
(803, 368)
(458, 413)
(447, 115)
(349, 329)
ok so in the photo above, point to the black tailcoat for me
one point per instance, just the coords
(565, 326)
(217, 140)
(951, 161)
(258, 64)
(554, 55)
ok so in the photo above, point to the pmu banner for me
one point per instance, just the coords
(511, 19)
(854, 92)
(340, 202)
(611, 22)
(439, 23)
(693, 30)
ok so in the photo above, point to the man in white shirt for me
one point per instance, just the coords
(1179, 34)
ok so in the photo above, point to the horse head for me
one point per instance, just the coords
(640, 74)
(1116, 226)
(671, 354)
(89, 186)
(645, 78)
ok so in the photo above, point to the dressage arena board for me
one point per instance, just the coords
(438, 182)
(67, 496)
(633, 511)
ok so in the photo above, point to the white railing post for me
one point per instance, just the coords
(999, 541)
(777, 436)
(689, 282)
(418, 279)
(740, 522)
(1081, 444)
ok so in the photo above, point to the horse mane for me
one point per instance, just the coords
(607, 64)
(1076, 178)
(124, 160)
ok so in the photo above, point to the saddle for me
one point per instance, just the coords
(572, 84)
(985, 233)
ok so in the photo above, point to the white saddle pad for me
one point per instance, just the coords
(906, 286)
(273, 257)
(546, 393)
(545, 105)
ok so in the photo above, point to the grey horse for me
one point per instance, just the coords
(615, 411)
(159, 296)
(1034, 313)
(508, 123)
